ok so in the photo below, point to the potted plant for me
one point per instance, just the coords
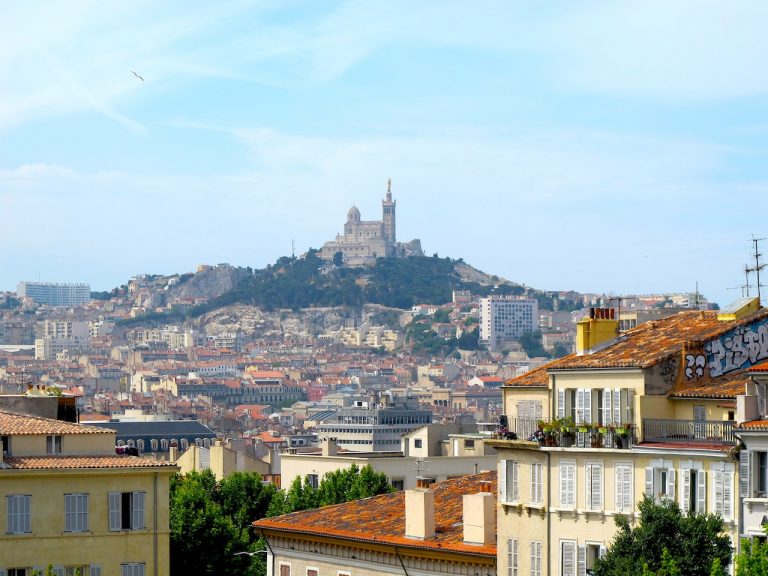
(596, 436)
(567, 435)
(550, 430)
(622, 435)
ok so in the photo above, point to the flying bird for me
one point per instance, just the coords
(250, 553)
(137, 76)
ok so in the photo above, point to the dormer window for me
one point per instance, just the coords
(53, 445)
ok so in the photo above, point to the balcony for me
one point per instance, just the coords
(717, 432)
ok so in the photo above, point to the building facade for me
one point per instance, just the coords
(504, 318)
(650, 412)
(68, 500)
(53, 294)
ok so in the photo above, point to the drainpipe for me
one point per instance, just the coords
(553, 415)
(154, 527)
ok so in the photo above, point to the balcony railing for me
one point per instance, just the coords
(688, 431)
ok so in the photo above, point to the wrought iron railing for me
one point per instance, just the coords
(692, 431)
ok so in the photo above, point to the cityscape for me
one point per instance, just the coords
(354, 289)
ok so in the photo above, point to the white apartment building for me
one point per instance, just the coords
(53, 294)
(503, 318)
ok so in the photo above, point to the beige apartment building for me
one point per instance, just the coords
(650, 411)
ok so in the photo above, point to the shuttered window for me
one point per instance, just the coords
(567, 474)
(624, 501)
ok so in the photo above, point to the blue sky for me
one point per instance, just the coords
(613, 147)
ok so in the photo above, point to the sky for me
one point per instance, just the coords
(611, 147)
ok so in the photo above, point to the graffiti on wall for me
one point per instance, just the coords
(735, 350)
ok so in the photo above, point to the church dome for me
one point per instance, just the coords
(353, 215)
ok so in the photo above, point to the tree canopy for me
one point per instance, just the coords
(666, 542)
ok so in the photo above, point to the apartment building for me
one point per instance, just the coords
(650, 411)
(504, 318)
(437, 529)
(55, 294)
(68, 500)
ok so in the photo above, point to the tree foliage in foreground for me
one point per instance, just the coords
(666, 542)
(210, 520)
(753, 559)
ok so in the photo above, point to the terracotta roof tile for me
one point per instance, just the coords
(728, 386)
(382, 519)
(651, 342)
(13, 423)
(753, 425)
(80, 462)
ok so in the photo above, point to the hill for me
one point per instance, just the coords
(310, 282)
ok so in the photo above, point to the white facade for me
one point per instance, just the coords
(503, 318)
(53, 294)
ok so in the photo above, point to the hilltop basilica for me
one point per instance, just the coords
(365, 240)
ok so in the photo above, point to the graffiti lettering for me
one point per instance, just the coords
(694, 366)
(735, 350)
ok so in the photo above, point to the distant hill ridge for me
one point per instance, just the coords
(310, 282)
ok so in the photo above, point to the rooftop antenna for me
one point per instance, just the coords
(293, 248)
(757, 266)
(421, 466)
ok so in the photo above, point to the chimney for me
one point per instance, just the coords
(600, 328)
(479, 525)
(173, 454)
(420, 513)
(330, 447)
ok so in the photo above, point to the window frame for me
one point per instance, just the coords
(77, 516)
(18, 518)
(53, 444)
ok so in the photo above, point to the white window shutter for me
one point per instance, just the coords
(563, 486)
(607, 419)
(588, 486)
(701, 491)
(597, 487)
(95, 570)
(717, 488)
(137, 514)
(115, 513)
(503, 480)
(671, 483)
(685, 492)
(727, 495)
(58, 571)
(537, 410)
(649, 483)
(568, 554)
(617, 405)
(2, 571)
(628, 502)
(602, 552)
(515, 483)
(629, 407)
(587, 415)
(512, 556)
(579, 405)
(618, 483)
(744, 474)
(581, 569)
(561, 403)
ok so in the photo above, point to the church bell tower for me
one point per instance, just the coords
(388, 214)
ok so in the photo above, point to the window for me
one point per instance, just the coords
(693, 489)
(285, 569)
(589, 554)
(660, 480)
(313, 480)
(593, 484)
(6, 440)
(17, 571)
(469, 444)
(53, 445)
(398, 484)
(567, 558)
(722, 490)
(75, 512)
(126, 510)
(95, 570)
(761, 485)
(535, 558)
(417, 442)
(567, 473)
(132, 569)
(508, 482)
(312, 571)
(512, 557)
(624, 501)
(536, 484)
(18, 506)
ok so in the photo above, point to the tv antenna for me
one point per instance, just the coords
(756, 269)
(293, 248)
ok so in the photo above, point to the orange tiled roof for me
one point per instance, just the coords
(79, 462)
(27, 424)
(728, 386)
(762, 367)
(651, 342)
(536, 377)
(754, 425)
(381, 519)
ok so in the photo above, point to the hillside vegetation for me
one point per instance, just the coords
(309, 282)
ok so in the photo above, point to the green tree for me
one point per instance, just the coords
(692, 543)
(753, 559)
(531, 343)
